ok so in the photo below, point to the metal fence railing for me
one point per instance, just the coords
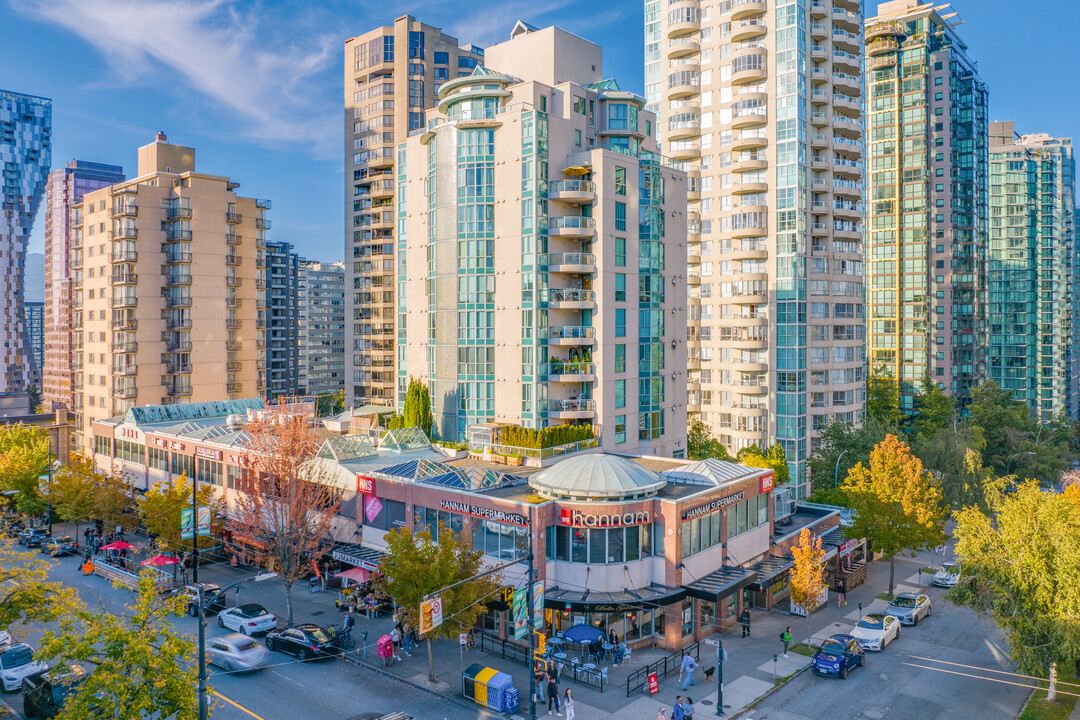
(639, 679)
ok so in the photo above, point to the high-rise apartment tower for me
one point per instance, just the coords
(282, 320)
(66, 187)
(542, 252)
(25, 156)
(927, 214)
(761, 100)
(322, 327)
(392, 75)
(168, 289)
(1032, 269)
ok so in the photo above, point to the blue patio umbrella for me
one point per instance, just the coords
(583, 634)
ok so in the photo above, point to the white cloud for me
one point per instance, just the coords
(272, 81)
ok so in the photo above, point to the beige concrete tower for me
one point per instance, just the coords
(542, 251)
(762, 102)
(170, 282)
(392, 75)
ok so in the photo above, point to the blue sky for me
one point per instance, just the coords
(256, 87)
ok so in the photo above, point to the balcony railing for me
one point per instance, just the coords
(583, 405)
(556, 186)
(569, 368)
(233, 217)
(125, 346)
(571, 259)
(178, 324)
(178, 279)
(572, 222)
(570, 295)
(179, 346)
(571, 331)
(233, 239)
(262, 223)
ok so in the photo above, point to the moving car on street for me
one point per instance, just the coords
(33, 537)
(909, 608)
(45, 693)
(305, 641)
(60, 546)
(948, 575)
(236, 653)
(875, 631)
(213, 600)
(16, 662)
(248, 619)
(837, 656)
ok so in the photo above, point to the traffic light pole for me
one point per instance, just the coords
(194, 531)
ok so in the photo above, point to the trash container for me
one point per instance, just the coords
(490, 688)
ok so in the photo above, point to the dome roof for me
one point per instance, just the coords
(597, 477)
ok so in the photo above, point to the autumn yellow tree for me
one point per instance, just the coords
(898, 503)
(160, 509)
(807, 576)
(289, 499)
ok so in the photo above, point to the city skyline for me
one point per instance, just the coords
(113, 108)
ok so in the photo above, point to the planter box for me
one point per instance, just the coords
(515, 461)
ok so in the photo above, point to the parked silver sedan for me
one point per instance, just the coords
(236, 653)
(909, 608)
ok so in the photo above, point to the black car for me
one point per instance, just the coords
(33, 537)
(213, 599)
(45, 693)
(305, 641)
(60, 546)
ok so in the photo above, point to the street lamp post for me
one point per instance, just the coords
(836, 472)
(1009, 464)
(203, 714)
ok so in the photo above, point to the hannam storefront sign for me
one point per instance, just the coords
(576, 518)
(714, 505)
(482, 512)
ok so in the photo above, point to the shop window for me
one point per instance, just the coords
(579, 545)
(658, 622)
(597, 546)
(708, 614)
(687, 616)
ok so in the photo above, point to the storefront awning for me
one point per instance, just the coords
(356, 574)
(358, 556)
(725, 581)
(592, 601)
(769, 571)
(831, 542)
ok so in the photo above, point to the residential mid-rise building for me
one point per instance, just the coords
(282, 320)
(34, 316)
(66, 187)
(541, 252)
(168, 289)
(25, 157)
(392, 75)
(322, 327)
(761, 101)
(927, 214)
(1031, 269)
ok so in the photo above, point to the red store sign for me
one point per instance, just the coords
(767, 483)
(365, 485)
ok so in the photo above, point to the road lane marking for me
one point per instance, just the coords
(236, 705)
(286, 677)
(1000, 672)
(980, 677)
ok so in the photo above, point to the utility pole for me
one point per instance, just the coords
(720, 677)
(50, 486)
(531, 621)
(202, 657)
(195, 536)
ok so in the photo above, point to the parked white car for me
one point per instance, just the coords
(909, 608)
(17, 662)
(875, 631)
(248, 619)
(948, 575)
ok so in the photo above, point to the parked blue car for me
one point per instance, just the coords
(837, 656)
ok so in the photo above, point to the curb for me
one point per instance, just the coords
(774, 689)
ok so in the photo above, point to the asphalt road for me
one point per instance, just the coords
(315, 690)
(913, 677)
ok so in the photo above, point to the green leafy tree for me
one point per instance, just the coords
(883, 396)
(141, 667)
(330, 403)
(416, 566)
(701, 445)
(1022, 568)
(934, 410)
(24, 455)
(114, 504)
(35, 398)
(26, 593)
(898, 504)
(160, 512)
(73, 491)
(417, 410)
(1002, 420)
(848, 444)
(954, 457)
(773, 458)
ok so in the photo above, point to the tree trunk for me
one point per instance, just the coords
(431, 660)
(809, 634)
(288, 599)
(1051, 692)
(892, 573)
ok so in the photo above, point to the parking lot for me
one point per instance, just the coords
(940, 669)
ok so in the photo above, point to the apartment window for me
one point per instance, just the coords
(416, 120)
(416, 68)
(620, 358)
(543, 103)
(620, 393)
(938, 81)
(620, 322)
(466, 62)
(620, 216)
(579, 105)
(577, 138)
(620, 287)
(441, 73)
(620, 251)
(416, 93)
(620, 180)
(441, 58)
(937, 96)
(416, 45)
(620, 429)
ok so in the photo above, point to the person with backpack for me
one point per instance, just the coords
(553, 694)
(785, 637)
(677, 712)
(745, 620)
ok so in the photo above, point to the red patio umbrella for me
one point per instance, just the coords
(159, 560)
(118, 545)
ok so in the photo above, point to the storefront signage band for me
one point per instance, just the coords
(208, 453)
(365, 485)
(714, 505)
(353, 560)
(576, 518)
(174, 445)
(482, 512)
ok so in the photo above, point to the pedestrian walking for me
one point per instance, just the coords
(406, 639)
(660, 714)
(347, 623)
(745, 620)
(568, 705)
(841, 593)
(687, 666)
(785, 637)
(553, 694)
(538, 686)
(395, 639)
(677, 709)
